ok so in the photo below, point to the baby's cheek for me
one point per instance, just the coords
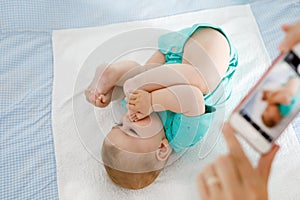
(146, 146)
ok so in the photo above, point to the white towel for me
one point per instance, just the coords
(78, 128)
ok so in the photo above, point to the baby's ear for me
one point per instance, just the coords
(164, 150)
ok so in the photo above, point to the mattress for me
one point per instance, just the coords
(28, 166)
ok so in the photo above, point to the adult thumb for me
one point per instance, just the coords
(285, 27)
(265, 163)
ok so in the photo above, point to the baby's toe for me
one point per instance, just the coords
(100, 104)
(140, 116)
(131, 117)
(101, 101)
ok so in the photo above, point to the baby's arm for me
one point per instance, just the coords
(184, 99)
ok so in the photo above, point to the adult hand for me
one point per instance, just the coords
(232, 176)
(292, 36)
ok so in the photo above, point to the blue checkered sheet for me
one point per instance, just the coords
(27, 159)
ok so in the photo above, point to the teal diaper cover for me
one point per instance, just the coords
(181, 131)
(285, 109)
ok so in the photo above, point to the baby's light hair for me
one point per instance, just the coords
(134, 174)
(268, 122)
(129, 180)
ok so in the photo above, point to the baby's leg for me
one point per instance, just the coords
(99, 92)
(186, 99)
(209, 51)
(162, 77)
(292, 85)
(165, 76)
(205, 61)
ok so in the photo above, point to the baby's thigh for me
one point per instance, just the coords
(192, 75)
(209, 51)
(165, 76)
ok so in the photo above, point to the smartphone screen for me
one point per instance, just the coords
(276, 100)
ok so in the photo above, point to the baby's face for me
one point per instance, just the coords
(140, 137)
(271, 115)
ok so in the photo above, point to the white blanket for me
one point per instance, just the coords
(78, 128)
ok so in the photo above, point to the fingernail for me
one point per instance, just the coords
(276, 146)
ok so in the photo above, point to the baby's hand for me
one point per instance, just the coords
(139, 104)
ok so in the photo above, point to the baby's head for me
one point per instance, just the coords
(134, 153)
(271, 115)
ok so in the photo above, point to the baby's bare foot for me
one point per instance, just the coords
(132, 116)
(135, 116)
(139, 105)
(99, 92)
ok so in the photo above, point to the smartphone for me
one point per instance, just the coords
(271, 104)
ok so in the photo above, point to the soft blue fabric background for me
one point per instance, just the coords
(27, 160)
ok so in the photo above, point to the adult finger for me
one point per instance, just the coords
(285, 27)
(265, 163)
(213, 182)
(236, 151)
(285, 43)
(290, 40)
(227, 171)
(202, 187)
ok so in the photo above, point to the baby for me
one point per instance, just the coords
(280, 102)
(167, 100)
